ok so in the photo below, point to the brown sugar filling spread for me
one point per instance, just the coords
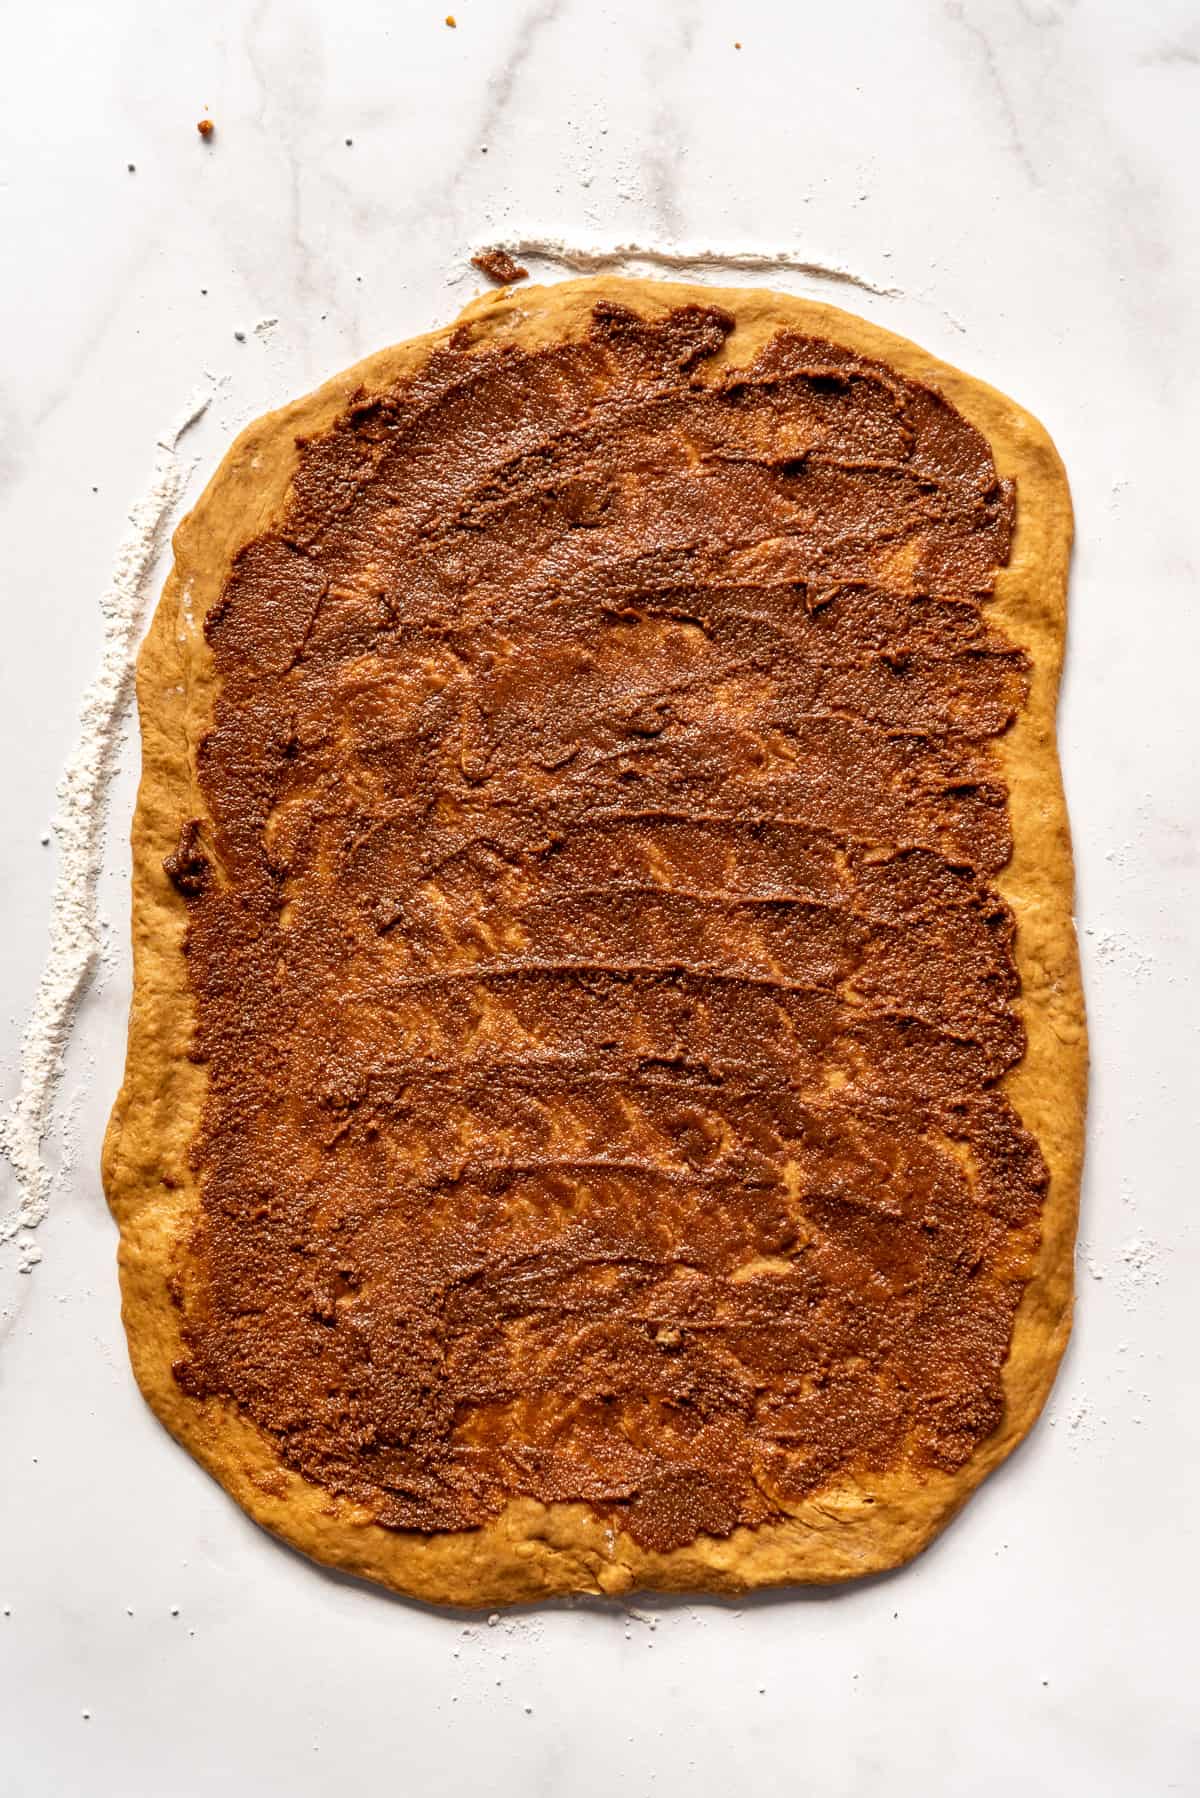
(597, 968)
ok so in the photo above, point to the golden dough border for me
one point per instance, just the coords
(534, 1551)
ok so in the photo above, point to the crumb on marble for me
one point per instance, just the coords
(451, 21)
(206, 128)
(498, 266)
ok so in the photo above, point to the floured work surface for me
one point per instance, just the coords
(605, 1088)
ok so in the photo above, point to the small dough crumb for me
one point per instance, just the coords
(498, 266)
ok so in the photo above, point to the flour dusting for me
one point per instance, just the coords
(1138, 1268)
(75, 928)
(589, 258)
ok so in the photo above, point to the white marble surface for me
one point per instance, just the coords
(1023, 176)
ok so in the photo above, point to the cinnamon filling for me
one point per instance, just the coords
(603, 993)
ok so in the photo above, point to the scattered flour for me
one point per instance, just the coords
(1113, 949)
(1135, 1268)
(1081, 1420)
(587, 258)
(1138, 1268)
(75, 928)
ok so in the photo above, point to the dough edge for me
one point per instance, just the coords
(534, 1551)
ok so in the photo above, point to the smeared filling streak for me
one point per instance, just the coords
(602, 992)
